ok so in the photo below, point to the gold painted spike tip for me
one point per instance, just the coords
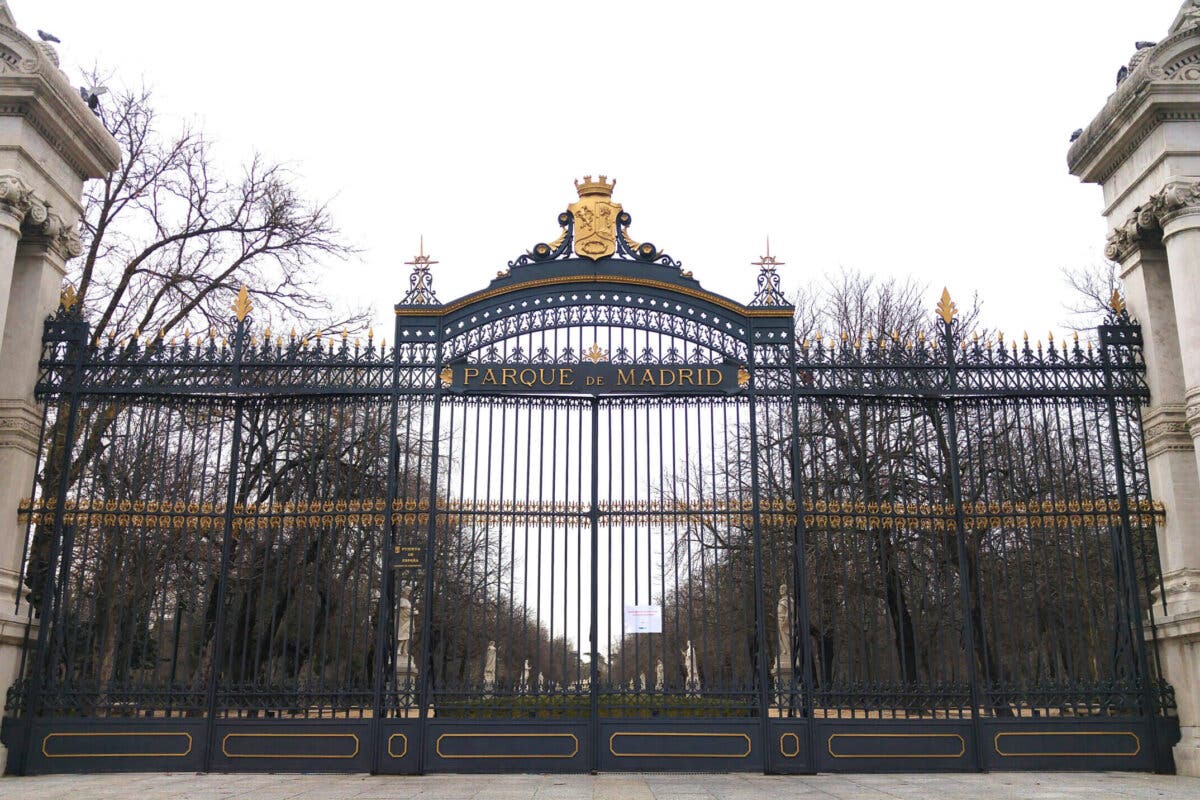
(68, 298)
(946, 308)
(241, 306)
(1117, 302)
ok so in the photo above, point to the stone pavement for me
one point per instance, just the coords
(996, 786)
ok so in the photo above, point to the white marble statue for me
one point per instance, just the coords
(658, 675)
(541, 682)
(489, 667)
(525, 676)
(783, 618)
(404, 623)
(689, 663)
(642, 681)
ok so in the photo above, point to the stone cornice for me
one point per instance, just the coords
(37, 218)
(1162, 85)
(32, 86)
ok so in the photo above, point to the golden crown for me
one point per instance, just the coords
(600, 187)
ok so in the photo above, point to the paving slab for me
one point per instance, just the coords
(657, 786)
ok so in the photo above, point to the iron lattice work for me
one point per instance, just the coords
(258, 529)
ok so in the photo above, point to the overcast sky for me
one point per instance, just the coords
(925, 137)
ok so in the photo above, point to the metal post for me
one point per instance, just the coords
(226, 545)
(1122, 544)
(387, 586)
(426, 670)
(801, 619)
(40, 674)
(764, 693)
(595, 628)
(960, 538)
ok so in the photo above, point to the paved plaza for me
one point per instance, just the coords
(996, 786)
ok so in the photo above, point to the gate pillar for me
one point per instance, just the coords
(1143, 148)
(50, 143)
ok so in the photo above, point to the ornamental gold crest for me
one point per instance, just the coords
(595, 218)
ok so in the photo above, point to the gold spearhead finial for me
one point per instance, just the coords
(68, 298)
(241, 306)
(946, 308)
(1117, 302)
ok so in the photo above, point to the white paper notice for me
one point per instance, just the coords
(643, 619)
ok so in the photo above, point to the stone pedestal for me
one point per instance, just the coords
(406, 672)
(1143, 148)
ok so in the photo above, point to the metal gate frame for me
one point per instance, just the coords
(978, 718)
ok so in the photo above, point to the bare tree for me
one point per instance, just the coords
(1092, 287)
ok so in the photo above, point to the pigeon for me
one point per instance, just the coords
(92, 96)
(1122, 74)
(1075, 134)
(48, 37)
(1143, 45)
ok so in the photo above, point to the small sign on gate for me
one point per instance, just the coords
(406, 557)
(643, 619)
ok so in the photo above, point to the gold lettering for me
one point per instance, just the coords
(489, 377)
(647, 378)
(566, 376)
(685, 374)
(507, 374)
(469, 373)
(663, 374)
(714, 377)
(546, 377)
(528, 377)
(625, 377)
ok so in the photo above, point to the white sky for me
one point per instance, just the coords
(925, 137)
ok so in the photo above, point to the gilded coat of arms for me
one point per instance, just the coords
(595, 218)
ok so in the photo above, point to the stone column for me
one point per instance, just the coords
(1177, 209)
(14, 205)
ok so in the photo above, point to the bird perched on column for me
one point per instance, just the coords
(45, 36)
(92, 97)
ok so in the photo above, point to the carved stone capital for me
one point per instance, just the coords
(58, 234)
(1193, 413)
(36, 218)
(1146, 221)
(1166, 429)
(15, 196)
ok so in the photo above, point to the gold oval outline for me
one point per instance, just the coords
(117, 755)
(225, 739)
(961, 742)
(437, 745)
(782, 752)
(999, 752)
(613, 737)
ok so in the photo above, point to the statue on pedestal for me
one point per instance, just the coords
(689, 664)
(540, 682)
(658, 675)
(406, 670)
(489, 668)
(642, 681)
(783, 618)
(525, 677)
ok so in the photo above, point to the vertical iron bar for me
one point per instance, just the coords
(227, 538)
(595, 577)
(764, 689)
(1125, 553)
(388, 544)
(799, 553)
(426, 668)
(960, 525)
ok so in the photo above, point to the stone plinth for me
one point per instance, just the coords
(1143, 149)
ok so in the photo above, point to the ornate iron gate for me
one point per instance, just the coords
(591, 517)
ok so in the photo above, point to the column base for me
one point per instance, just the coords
(1179, 654)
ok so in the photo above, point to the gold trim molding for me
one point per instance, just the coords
(996, 744)
(225, 741)
(64, 735)
(403, 752)
(962, 744)
(783, 752)
(612, 749)
(437, 746)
